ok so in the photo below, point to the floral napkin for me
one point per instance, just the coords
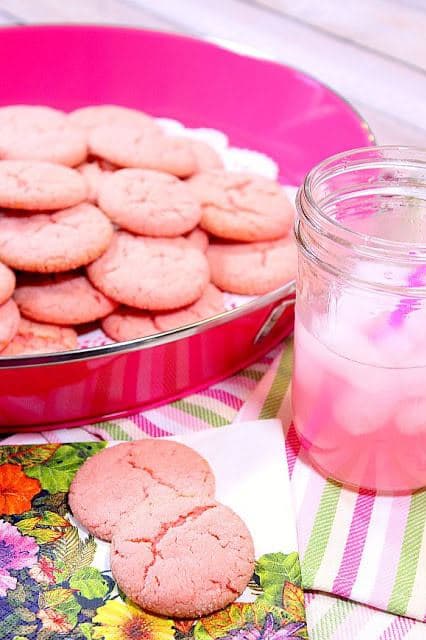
(55, 579)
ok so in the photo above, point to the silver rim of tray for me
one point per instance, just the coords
(149, 341)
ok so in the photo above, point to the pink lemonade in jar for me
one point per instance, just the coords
(363, 424)
(359, 377)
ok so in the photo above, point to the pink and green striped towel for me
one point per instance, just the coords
(332, 618)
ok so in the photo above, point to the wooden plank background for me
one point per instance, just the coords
(373, 52)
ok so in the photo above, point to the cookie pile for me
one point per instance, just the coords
(104, 217)
(175, 550)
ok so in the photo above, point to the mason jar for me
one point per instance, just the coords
(359, 382)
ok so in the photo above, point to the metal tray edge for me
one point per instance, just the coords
(76, 355)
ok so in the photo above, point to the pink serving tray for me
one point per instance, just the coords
(260, 105)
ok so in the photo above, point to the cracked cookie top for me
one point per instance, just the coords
(241, 206)
(151, 273)
(149, 203)
(36, 186)
(53, 242)
(185, 559)
(111, 483)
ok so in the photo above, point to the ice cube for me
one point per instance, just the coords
(394, 347)
(361, 413)
(354, 309)
(411, 416)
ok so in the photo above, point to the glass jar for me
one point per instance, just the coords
(359, 381)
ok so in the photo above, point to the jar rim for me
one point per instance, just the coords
(375, 157)
(360, 182)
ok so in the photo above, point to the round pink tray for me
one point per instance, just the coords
(260, 105)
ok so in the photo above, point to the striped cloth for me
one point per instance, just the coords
(355, 545)
(331, 618)
(213, 407)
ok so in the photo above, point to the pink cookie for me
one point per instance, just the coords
(240, 206)
(148, 149)
(33, 337)
(64, 298)
(9, 322)
(198, 239)
(93, 171)
(39, 185)
(253, 269)
(54, 242)
(150, 273)
(7, 283)
(40, 133)
(116, 480)
(149, 202)
(206, 157)
(110, 115)
(186, 559)
(128, 324)
(210, 304)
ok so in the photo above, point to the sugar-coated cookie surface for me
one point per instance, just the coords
(62, 298)
(60, 241)
(7, 283)
(126, 323)
(253, 269)
(210, 304)
(9, 322)
(93, 171)
(198, 239)
(34, 337)
(39, 185)
(205, 156)
(145, 470)
(98, 115)
(148, 149)
(184, 560)
(148, 202)
(241, 206)
(150, 273)
(30, 132)
(143, 224)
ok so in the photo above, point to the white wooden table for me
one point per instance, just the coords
(373, 52)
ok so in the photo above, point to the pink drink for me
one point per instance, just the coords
(364, 424)
(359, 383)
